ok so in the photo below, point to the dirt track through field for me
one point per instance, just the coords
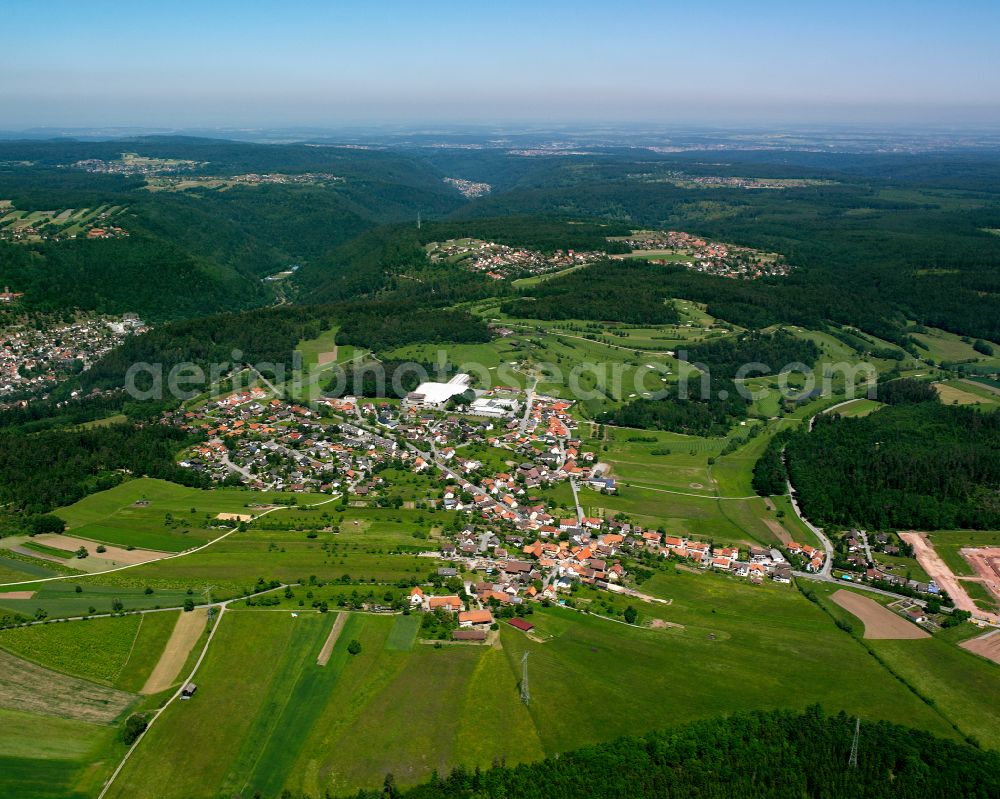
(331, 639)
(779, 532)
(31, 688)
(939, 572)
(986, 645)
(175, 654)
(879, 622)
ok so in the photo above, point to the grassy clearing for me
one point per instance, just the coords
(96, 650)
(857, 408)
(964, 687)
(944, 346)
(793, 644)
(403, 635)
(155, 514)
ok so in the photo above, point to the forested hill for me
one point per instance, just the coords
(206, 246)
(763, 755)
(872, 253)
(913, 464)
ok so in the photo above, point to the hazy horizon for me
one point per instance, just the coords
(228, 64)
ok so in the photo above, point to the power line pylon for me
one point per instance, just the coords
(853, 760)
(525, 693)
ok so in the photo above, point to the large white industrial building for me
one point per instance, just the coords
(436, 395)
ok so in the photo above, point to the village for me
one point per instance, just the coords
(33, 361)
(469, 189)
(711, 258)
(492, 459)
(501, 262)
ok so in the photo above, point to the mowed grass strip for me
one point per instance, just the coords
(293, 707)
(52, 552)
(148, 646)
(95, 649)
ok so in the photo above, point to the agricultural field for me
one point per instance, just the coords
(66, 223)
(96, 650)
(966, 392)
(60, 741)
(338, 727)
(154, 514)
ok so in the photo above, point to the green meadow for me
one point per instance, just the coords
(408, 708)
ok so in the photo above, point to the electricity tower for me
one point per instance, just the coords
(852, 762)
(525, 693)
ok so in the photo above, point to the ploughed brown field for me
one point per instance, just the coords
(987, 645)
(879, 622)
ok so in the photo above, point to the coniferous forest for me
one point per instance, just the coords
(760, 755)
(917, 465)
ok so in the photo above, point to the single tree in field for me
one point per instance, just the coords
(631, 614)
(354, 647)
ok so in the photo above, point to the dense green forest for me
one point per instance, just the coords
(868, 255)
(609, 291)
(264, 335)
(916, 465)
(882, 241)
(200, 250)
(760, 755)
(45, 470)
(769, 353)
(383, 326)
(384, 378)
(694, 415)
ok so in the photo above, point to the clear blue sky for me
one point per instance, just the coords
(287, 62)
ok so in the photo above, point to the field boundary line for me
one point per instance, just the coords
(132, 648)
(173, 555)
(684, 493)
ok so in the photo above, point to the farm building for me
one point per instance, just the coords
(521, 624)
(188, 690)
(449, 603)
(470, 618)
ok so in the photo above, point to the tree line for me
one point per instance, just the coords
(760, 755)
